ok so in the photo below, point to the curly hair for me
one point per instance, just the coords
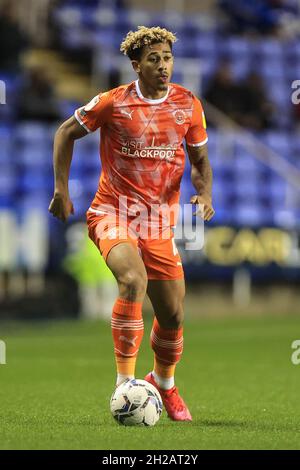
(134, 42)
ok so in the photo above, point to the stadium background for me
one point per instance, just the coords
(241, 58)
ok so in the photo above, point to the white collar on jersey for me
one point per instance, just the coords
(158, 101)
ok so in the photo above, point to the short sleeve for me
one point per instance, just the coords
(96, 113)
(196, 135)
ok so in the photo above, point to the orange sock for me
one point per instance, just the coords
(167, 345)
(127, 330)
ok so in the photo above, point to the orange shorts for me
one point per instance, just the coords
(160, 255)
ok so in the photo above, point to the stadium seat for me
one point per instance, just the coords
(272, 69)
(236, 46)
(33, 156)
(270, 47)
(8, 179)
(6, 144)
(279, 142)
(240, 68)
(279, 92)
(31, 133)
(206, 45)
(247, 189)
(251, 215)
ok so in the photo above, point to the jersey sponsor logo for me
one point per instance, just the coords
(126, 113)
(137, 149)
(179, 116)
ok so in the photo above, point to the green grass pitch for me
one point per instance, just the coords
(236, 375)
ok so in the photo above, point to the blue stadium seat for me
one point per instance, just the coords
(251, 215)
(246, 163)
(295, 146)
(36, 200)
(286, 218)
(269, 47)
(272, 69)
(5, 144)
(236, 46)
(277, 187)
(223, 216)
(279, 92)
(208, 66)
(279, 142)
(206, 45)
(137, 17)
(35, 182)
(34, 156)
(223, 193)
(247, 189)
(8, 179)
(240, 68)
(32, 133)
(292, 50)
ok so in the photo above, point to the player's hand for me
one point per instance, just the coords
(204, 206)
(61, 207)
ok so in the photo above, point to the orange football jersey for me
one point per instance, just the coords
(141, 143)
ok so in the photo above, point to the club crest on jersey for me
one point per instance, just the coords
(92, 103)
(179, 116)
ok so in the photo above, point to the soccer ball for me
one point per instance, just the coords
(136, 402)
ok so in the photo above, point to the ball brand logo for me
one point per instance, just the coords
(2, 353)
(179, 116)
(295, 358)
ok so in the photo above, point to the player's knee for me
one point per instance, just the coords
(132, 284)
(173, 319)
(176, 320)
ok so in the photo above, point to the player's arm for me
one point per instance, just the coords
(201, 176)
(61, 205)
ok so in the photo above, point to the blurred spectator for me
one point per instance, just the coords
(297, 116)
(12, 39)
(37, 100)
(262, 16)
(246, 102)
(256, 111)
(223, 92)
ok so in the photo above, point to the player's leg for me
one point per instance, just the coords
(127, 322)
(167, 332)
(167, 343)
(121, 255)
(166, 289)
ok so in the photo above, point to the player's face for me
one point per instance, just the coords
(155, 66)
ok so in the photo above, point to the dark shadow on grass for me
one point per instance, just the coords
(221, 423)
(252, 425)
(209, 423)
